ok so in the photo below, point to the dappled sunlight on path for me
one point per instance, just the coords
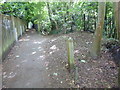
(28, 64)
(38, 61)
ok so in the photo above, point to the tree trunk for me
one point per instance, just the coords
(96, 46)
(49, 13)
(117, 18)
(119, 41)
(84, 22)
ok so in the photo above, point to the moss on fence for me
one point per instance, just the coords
(8, 33)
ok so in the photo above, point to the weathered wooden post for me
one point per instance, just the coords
(70, 47)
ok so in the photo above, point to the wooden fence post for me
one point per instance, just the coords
(70, 48)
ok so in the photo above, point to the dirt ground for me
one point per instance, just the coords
(41, 62)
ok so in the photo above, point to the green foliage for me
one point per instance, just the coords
(61, 17)
(24, 10)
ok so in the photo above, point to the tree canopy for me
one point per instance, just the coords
(55, 17)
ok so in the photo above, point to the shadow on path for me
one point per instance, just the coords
(28, 65)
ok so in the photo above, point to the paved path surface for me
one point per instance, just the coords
(27, 66)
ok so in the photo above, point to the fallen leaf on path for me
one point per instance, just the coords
(61, 82)
(47, 68)
(17, 56)
(12, 75)
(4, 73)
(46, 63)
(33, 53)
(53, 47)
(55, 74)
(4, 76)
(17, 65)
(83, 61)
(76, 51)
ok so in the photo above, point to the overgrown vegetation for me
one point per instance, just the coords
(62, 17)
